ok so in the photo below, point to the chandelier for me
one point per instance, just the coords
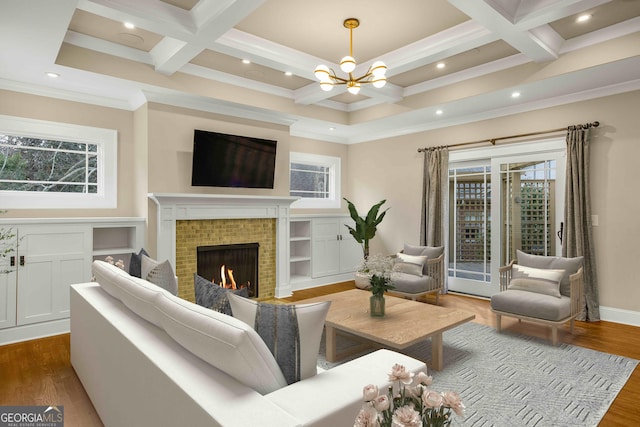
(374, 75)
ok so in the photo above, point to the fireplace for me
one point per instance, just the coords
(233, 266)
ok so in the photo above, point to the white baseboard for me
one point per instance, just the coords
(619, 315)
(34, 331)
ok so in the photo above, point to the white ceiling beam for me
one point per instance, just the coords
(492, 17)
(212, 18)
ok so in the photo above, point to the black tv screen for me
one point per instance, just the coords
(221, 160)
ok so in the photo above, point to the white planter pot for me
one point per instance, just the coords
(362, 280)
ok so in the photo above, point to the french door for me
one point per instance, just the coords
(499, 204)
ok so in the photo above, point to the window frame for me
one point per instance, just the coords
(334, 165)
(106, 141)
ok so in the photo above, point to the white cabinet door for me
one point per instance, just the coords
(325, 255)
(50, 259)
(7, 283)
(351, 254)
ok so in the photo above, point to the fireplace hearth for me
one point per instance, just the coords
(232, 266)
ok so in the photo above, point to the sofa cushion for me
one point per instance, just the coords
(311, 319)
(430, 251)
(223, 341)
(159, 273)
(532, 304)
(411, 284)
(136, 294)
(213, 296)
(569, 265)
(542, 281)
(135, 264)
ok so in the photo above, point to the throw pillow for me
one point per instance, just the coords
(310, 319)
(212, 296)
(569, 265)
(410, 264)
(159, 273)
(135, 264)
(541, 281)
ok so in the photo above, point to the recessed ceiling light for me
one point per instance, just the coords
(515, 95)
(246, 61)
(52, 74)
(439, 112)
(440, 65)
(288, 73)
(332, 128)
(583, 18)
(129, 25)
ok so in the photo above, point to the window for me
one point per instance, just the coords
(55, 165)
(315, 179)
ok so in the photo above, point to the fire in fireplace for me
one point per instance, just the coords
(232, 266)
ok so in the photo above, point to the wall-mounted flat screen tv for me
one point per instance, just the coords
(221, 160)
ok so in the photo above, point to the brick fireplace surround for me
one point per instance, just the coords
(186, 221)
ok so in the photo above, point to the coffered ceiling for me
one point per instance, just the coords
(189, 53)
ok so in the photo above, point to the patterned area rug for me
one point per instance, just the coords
(517, 380)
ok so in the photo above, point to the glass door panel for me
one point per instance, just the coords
(470, 229)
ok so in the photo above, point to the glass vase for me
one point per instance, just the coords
(376, 305)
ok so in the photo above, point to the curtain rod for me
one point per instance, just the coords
(522, 135)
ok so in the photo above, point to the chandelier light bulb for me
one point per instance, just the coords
(322, 73)
(378, 69)
(354, 88)
(326, 86)
(347, 64)
(379, 82)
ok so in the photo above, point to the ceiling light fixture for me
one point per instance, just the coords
(246, 61)
(515, 95)
(583, 18)
(440, 65)
(375, 74)
(52, 75)
(129, 25)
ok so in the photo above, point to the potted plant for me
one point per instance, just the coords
(365, 228)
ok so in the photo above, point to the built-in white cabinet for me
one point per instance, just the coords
(43, 258)
(321, 251)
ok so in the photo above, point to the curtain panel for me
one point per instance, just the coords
(578, 236)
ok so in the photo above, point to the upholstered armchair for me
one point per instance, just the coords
(418, 270)
(540, 289)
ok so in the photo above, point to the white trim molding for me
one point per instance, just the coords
(620, 315)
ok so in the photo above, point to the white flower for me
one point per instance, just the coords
(381, 403)
(400, 373)
(424, 379)
(452, 400)
(370, 392)
(367, 417)
(432, 399)
(406, 416)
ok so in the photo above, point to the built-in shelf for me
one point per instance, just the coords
(299, 250)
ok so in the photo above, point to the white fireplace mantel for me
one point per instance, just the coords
(183, 206)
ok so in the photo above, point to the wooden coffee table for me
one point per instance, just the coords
(405, 323)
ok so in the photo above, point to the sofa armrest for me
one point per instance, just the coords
(576, 281)
(334, 397)
(435, 270)
(505, 275)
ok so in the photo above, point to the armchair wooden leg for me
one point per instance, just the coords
(554, 335)
(571, 323)
(437, 297)
(498, 320)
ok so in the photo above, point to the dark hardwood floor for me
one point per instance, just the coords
(39, 372)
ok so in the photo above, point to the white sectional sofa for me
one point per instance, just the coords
(148, 358)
